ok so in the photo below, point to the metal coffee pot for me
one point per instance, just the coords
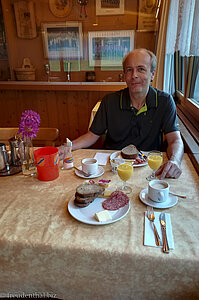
(4, 160)
(15, 146)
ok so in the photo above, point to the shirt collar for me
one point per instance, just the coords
(151, 99)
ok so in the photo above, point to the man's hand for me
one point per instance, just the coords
(170, 169)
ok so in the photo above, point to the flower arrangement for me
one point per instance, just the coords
(30, 121)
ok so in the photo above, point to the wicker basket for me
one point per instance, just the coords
(25, 74)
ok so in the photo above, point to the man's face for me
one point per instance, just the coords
(137, 72)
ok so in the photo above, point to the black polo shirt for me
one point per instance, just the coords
(125, 125)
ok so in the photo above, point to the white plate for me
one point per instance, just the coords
(117, 154)
(171, 201)
(100, 172)
(87, 214)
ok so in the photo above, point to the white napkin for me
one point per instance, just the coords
(149, 238)
(102, 158)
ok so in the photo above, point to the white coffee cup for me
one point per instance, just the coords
(89, 166)
(158, 190)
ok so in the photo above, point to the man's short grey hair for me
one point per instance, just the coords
(150, 53)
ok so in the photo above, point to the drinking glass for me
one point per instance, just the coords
(115, 162)
(155, 160)
(125, 171)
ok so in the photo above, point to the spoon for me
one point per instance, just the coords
(180, 196)
(82, 172)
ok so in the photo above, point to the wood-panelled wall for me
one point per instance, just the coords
(69, 111)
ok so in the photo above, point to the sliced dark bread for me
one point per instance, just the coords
(83, 200)
(81, 204)
(89, 190)
(129, 152)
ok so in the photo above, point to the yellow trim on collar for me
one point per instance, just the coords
(142, 109)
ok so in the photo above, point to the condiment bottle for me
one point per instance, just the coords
(68, 158)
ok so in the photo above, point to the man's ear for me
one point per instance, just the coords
(152, 75)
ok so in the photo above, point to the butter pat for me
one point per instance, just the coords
(108, 192)
(103, 216)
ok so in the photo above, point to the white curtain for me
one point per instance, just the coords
(179, 30)
(183, 28)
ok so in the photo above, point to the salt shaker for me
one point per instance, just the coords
(68, 158)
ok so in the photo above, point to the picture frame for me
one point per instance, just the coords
(25, 19)
(109, 7)
(107, 48)
(62, 40)
(147, 21)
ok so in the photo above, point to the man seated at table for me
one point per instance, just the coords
(138, 115)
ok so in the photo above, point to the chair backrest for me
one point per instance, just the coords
(45, 136)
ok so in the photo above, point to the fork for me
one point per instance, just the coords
(151, 217)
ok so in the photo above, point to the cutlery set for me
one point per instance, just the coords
(162, 218)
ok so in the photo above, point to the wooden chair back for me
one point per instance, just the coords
(45, 136)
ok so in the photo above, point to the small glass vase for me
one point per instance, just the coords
(27, 157)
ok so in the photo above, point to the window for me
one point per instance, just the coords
(187, 84)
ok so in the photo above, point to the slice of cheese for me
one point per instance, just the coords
(108, 192)
(103, 216)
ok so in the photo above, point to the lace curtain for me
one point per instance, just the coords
(183, 28)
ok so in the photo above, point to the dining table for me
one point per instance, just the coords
(47, 252)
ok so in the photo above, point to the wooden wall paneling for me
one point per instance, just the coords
(63, 115)
(42, 108)
(75, 113)
(12, 108)
(52, 111)
(4, 107)
(23, 101)
(30, 99)
(83, 113)
(69, 111)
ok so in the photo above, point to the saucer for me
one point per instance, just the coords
(99, 173)
(171, 201)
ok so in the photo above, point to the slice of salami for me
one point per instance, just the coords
(117, 200)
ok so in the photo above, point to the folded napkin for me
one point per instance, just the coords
(149, 238)
(102, 158)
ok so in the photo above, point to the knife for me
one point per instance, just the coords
(165, 247)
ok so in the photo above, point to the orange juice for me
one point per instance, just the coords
(125, 171)
(154, 161)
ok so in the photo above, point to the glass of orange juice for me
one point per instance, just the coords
(125, 171)
(155, 160)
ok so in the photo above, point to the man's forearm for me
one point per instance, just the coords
(175, 151)
(85, 140)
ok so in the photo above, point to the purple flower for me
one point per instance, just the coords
(30, 121)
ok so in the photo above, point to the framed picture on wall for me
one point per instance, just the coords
(62, 40)
(147, 20)
(107, 48)
(109, 7)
